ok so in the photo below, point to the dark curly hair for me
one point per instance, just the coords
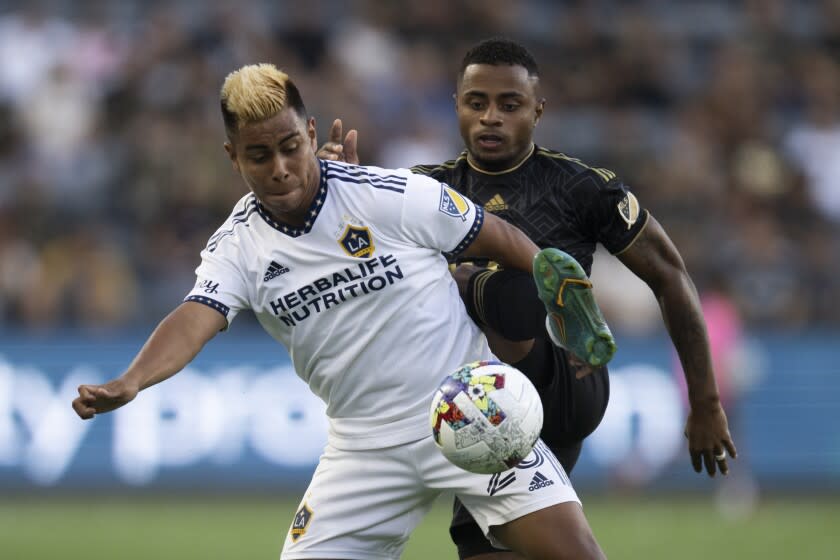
(498, 51)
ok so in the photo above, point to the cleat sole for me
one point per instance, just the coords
(566, 291)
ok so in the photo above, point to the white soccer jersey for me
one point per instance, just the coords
(361, 296)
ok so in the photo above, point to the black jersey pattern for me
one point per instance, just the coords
(558, 201)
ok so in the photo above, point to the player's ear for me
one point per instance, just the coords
(538, 111)
(312, 133)
(231, 152)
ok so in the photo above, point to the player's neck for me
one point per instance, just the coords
(488, 169)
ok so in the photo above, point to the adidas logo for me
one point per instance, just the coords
(539, 481)
(274, 270)
(496, 204)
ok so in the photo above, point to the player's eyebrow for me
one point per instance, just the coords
(252, 147)
(479, 93)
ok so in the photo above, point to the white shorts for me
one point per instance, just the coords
(365, 504)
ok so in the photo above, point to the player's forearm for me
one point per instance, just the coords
(172, 345)
(684, 320)
(504, 243)
(519, 251)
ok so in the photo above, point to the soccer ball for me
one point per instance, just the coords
(486, 417)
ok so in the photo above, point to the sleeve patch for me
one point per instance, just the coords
(452, 203)
(629, 209)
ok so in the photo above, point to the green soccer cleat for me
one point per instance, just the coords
(574, 320)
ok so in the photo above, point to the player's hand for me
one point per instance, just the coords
(462, 274)
(580, 367)
(709, 441)
(335, 150)
(96, 399)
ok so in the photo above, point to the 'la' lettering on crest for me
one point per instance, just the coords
(357, 241)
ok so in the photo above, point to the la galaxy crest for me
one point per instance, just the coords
(301, 523)
(357, 241)
(452, 203)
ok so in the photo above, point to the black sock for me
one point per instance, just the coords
(507, 302)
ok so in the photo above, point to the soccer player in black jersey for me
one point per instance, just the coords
(561, 202)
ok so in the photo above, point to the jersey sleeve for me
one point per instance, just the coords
(612, 213)
(435, 215)
(220, 285)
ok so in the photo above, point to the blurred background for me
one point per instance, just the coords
(722, 115)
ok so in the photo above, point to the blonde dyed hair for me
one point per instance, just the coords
(255, 93)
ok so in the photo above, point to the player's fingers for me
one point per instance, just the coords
(351, 154)
(696, 461)
(86, 393)
(82, 409)
(104, 393)
(709, 459)
(720, 459)
(336, 131)
(581, 368)
(730, 448)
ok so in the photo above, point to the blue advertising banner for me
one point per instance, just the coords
(239, 418)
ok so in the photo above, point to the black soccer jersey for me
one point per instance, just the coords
(558, 201)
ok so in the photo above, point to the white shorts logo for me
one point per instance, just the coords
(301, 522)
(499, 482)
(539, 481)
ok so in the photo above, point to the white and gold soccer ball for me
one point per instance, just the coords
(486, 417)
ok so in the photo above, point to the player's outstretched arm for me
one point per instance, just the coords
(336, 150)
(172, 345)
(504, 243)
(654, 258)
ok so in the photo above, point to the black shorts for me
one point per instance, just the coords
(572, 409)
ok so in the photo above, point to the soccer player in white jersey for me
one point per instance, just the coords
(344, 265)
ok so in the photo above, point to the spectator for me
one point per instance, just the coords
(710, 108)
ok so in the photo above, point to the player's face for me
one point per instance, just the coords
(276, 158)
(497, 110)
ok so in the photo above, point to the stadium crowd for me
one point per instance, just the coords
(723, 116)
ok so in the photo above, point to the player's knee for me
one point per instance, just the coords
(569, 551)
(563, 543)
(582, 547)
(591, 549)
(574, 542)
(585, 548)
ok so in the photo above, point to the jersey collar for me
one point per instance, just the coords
(510, 170)
(314, 210)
